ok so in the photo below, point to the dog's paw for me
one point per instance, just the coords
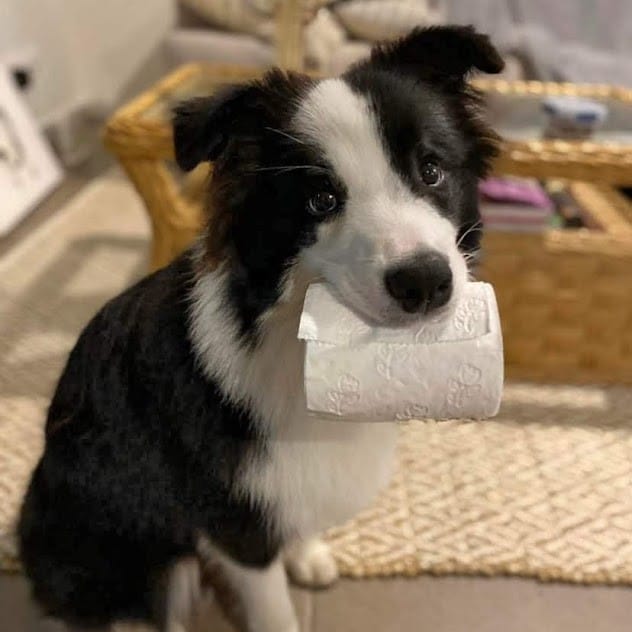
(310, 563)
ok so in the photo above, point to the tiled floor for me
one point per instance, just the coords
(393, 605)
(425, 604)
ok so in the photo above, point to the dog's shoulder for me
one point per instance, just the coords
(158, 299)
(136, 346)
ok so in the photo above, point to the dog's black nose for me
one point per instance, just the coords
(420, 284)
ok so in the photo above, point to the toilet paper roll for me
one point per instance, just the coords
(438, 370)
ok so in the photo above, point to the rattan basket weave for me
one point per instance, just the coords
(565, 296)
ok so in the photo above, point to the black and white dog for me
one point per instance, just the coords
(178, 431)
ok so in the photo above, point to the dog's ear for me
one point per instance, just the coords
(203, 126)
(442, 54)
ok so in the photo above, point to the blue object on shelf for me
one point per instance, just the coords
(573, 115)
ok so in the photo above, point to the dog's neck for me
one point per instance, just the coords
(265, 375)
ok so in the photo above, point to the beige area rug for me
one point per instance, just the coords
(545, 490)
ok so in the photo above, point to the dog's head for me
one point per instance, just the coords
(368, 181)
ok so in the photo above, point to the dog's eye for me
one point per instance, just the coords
(323, 203)
(431, 174)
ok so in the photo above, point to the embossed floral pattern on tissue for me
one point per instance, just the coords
(436, 369)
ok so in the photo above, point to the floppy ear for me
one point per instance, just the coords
(202, 126)
(443, 54)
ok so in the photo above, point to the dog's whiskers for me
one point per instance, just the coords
(286, 134)
(471, 258)
(286, 168)
(471, 229)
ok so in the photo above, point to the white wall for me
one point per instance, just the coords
(87, 50)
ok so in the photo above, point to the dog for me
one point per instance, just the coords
(178, 433)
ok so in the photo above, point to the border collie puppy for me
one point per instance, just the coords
(178, 433)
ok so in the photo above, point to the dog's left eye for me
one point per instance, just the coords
(323, 203)
(431, 174)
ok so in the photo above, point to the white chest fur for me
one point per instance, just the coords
(314, 473)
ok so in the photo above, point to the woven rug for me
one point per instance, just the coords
(545, 490)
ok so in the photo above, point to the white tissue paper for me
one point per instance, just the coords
(439, 370)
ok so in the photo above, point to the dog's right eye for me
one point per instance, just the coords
(323, 203)
(431, 174)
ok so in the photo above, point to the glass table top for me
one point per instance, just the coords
(516, 116)
(522, 118)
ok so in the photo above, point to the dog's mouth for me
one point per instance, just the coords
(381, 311)
(397, 319)
(417, 296)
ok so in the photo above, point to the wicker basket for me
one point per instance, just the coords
(140, 137)
(565, 296)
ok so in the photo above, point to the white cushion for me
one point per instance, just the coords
(323, 37)
(247, 16)
(234, 15)
(187, 45)
(376, 20)
(347, 54)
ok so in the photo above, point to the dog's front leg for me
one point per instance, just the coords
(310, 563)
(263, 596)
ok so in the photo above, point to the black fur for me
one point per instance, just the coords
(420, 123)
(442, 55)
(204, 126)
(262, 180)
(141, 447)
(428, 113)
(141, 452)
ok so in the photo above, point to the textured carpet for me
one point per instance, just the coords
(545, 490)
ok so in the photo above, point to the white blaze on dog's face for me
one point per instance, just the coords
(384, 225)
(369, 181)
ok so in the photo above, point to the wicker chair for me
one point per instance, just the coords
(565, 296)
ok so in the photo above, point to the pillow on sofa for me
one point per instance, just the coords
(256, 17)
(323, 36)
(234, 15)
(269, 6)
(376, 20)
(347, 54)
